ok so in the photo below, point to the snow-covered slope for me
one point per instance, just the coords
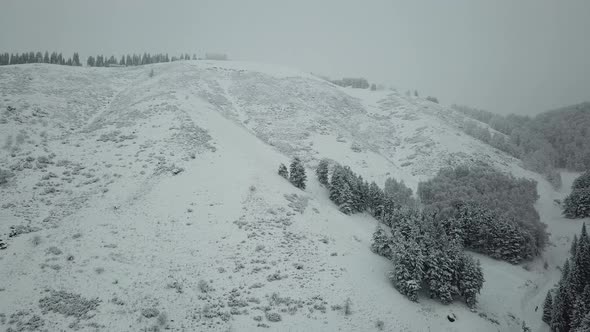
(161, 193)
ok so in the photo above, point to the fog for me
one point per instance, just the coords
(504, 56)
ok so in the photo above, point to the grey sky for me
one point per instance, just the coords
(501, 55)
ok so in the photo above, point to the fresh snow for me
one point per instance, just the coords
(163, 193)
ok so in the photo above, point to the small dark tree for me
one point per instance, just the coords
(322, 172)
(283, 171)
(547, 308)
(90, 62)
(297, 173)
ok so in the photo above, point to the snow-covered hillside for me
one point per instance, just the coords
(142, 202)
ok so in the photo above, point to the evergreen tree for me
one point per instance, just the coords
(582, 181)
(577, 204)
(408, 263)
(346, 199)
(471, 280)
(46, 57)
(90, 62)
(336, 184)
(375, 200)
(560, 315)
(322, 172)
(581, 307)
(547, 308)
(283, 171)
(574, 246)
(381, 244)
(297, 173)
(76, 59)
(585, 325)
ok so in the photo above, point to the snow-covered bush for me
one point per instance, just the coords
(4, 176)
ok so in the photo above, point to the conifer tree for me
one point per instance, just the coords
(547, 308)
(283, 171)
(297, 173)
(322, 172)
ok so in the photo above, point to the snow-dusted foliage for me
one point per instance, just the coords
(549, 140)
(577, 204)
(4, 176)
(322, 172)
(353, 194)
(399, 192)
(381, 244)
(486, 231)
(283, 171)
(425, 255)
(494, 199)
(297, 173)
(582, 181)
(569, 307)
(547, 306)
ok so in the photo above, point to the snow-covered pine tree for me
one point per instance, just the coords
(322, 172)
(336, 184)
(560, 315)
(297, 173)
(581, 307)
(577, 204)
(547, 308)
(574, 246)
(585, 325)
(375, 199)
(283, 171)
(381, 244)
(582, 181)
(471, 279)
(346, 198)
(441, 269)
(408, 264)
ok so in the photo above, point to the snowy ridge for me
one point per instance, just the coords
(161, 193)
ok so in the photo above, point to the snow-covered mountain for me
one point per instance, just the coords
(144, 201)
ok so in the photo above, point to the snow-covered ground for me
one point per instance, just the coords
(145, 202)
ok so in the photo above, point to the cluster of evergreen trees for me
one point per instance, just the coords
(567, 308)
(296, 175)
(482, 230)
(135, 59)
(352, 194)
(427, 256)
(38, 57)
(423, 253)
(496, 210)
(550, 140)
(577, 203)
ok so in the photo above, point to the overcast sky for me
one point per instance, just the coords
(500, 55)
